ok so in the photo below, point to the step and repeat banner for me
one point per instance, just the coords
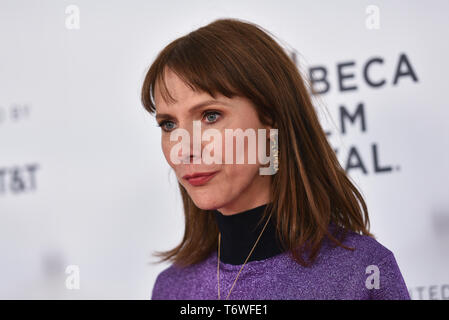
(86, 195)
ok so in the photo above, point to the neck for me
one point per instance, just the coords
(239, 233)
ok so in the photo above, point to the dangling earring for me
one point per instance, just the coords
(274, 151)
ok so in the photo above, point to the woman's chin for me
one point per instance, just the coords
(206, 203)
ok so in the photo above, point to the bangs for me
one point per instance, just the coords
(201, 65)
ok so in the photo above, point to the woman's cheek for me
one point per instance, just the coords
(166, 147)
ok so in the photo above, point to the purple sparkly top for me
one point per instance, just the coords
(368, 272)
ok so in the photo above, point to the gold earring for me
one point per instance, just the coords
(274, 151)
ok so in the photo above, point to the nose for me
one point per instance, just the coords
(191, 148)
(189, 157)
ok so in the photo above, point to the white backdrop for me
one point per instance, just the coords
(83, 182)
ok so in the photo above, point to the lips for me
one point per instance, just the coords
(199, 178)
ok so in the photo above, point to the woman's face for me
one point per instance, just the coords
(234, 187)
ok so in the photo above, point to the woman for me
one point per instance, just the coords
(297, 231)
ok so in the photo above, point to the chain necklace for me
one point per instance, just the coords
(218, 263)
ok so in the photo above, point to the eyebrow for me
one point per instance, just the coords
(193, 109)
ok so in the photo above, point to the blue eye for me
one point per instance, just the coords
(211, 117)
(166, 125)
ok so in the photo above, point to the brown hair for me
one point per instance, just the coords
(311, 189)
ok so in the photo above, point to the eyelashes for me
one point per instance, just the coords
(206, 115)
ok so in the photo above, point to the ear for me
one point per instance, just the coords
(268, 129)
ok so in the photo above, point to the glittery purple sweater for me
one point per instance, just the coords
(368, 272)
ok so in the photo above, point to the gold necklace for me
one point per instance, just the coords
(218, 263)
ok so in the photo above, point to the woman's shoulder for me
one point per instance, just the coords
(365, 248)
(372, 266)
(170, 273)
(175, 277)
(167, 281)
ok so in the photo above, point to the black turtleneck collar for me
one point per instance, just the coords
(240, 231)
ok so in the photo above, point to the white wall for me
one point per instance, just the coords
(83, 180)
